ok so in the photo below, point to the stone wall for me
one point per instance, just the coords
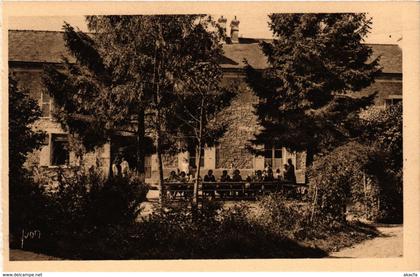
(232, 152)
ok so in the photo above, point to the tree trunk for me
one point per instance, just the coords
(140, 143)
(111, 160)
(198, 156)
(160, 165)
(156, 85)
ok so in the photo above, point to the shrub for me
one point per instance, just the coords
(85, 206)
(383, 129)
(353, 178)
(212, 232)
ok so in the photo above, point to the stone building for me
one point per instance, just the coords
(29, 50)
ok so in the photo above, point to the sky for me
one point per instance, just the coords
(385, 29)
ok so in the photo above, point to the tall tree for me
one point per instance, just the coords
(88, 94)
(24, 196)
(127, 69)
(195, 123)
(316, 62)
(23, 113)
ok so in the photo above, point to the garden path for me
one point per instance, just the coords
(388, 244)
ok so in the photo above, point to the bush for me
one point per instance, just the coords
(211, 233)
(283, 215)
(83, 206)
(27, 207)
(353, 178)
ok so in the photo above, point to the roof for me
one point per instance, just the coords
(49, 47)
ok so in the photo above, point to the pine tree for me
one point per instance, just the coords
(25, 197)
(315, 62)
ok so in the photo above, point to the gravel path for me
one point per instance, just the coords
(20, 255)
(388, 244)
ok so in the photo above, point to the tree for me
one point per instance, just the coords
(88, 94)
(126, 68)
(23, 139)
(23, 194)
(316, 61)
(382, 129)
(186, 77)
(200, 99)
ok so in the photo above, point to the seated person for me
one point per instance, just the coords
(258, 177)
(184, 186)
(209, 188)
(257, 181)
(237, 187)
(269, 184)
(183, 177)
(224, 187)
(170, 180)
(269, 177)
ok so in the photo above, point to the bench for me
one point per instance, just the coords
(232, 190)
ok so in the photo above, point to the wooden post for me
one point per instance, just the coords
(314, 203)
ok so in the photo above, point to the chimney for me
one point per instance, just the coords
(234, 30)
(222, 24)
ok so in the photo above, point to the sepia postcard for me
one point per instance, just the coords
(210, 136)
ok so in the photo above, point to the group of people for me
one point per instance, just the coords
(120, 167)
(231, 185)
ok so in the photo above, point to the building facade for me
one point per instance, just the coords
(30, 50)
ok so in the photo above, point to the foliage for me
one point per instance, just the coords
(126, 70)
(383, 127)
(177, 233)
(315, 60)
(23, 112)
(25, 198)
(82, 204)
(291, 218)
(353, 178)
(285, 216)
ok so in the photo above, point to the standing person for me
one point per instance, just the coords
(125, 167)
(285, 171)
(290, 173)
(278, 174)
(116, 167)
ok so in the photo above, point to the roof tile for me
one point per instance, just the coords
(48, 46)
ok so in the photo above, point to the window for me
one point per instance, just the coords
(59, 149)
(193, 157)
(273, 156)
(45, 104)
(148, 166)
